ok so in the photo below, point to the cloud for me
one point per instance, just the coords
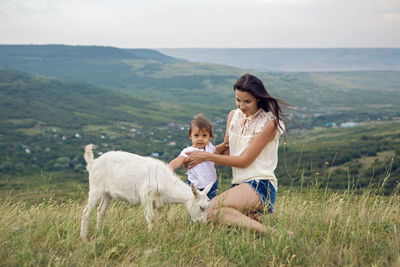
(202, 23)
(31, 7)
(288, 1)
(392, 17)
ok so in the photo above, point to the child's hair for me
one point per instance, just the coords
(202, 123)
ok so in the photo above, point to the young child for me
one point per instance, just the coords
(204, 173)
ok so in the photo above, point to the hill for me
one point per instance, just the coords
(45, 122)
(295, 59)
(360, 156)
(144, 73)
(319, 98)
(73, 105)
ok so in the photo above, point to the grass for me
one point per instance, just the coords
(330, 228)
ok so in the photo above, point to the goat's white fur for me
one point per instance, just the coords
(137, 179)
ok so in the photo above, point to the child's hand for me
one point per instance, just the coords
(223, 148)
(226, 141)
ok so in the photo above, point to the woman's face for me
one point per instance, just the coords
(246, 102)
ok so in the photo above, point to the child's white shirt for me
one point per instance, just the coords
(204, 173)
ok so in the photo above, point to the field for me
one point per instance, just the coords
(340, 225)
(330, 229)
(339, 186)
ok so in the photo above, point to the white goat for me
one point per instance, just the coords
(137, 179)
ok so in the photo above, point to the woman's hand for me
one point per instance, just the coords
(195, 157)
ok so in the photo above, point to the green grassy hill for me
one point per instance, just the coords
(144, 73)
(332, 180)
(360, 156)
(45, 121)
(318, 97)
(73, 105)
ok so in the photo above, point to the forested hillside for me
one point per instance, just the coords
(354, 157)
(318, 98)
(73, 105)
(142, 101)
(44, 120)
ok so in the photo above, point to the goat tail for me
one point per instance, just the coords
(88, 156)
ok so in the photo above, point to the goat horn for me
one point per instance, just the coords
(208, 188)
(194, 190)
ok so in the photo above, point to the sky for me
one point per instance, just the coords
(202, 23)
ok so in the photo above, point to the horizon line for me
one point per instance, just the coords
(205, 47)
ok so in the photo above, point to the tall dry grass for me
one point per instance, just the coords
(330, 229)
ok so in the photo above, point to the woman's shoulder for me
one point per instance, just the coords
(232, 112)
(267, 115)
(259, 123)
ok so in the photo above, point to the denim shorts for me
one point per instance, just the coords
(265, 190)
(213, 191)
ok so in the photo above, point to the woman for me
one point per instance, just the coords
(252, 137)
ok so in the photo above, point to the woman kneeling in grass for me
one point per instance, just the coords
(251, 148)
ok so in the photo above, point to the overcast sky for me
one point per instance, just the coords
(202, 23)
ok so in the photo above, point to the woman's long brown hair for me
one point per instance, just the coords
(253, 85)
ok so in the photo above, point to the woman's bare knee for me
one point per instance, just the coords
(242, 197)
(218, 214)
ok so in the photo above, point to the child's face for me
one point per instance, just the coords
(199, 138)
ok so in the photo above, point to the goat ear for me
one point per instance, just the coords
(194, 190)
(208, 188)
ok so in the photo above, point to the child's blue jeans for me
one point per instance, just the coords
(213, 191)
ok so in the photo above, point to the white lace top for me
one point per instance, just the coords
(241, 132)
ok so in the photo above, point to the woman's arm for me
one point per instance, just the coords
(249, 155)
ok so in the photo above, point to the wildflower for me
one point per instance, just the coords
(317, 173)
(326, 163)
